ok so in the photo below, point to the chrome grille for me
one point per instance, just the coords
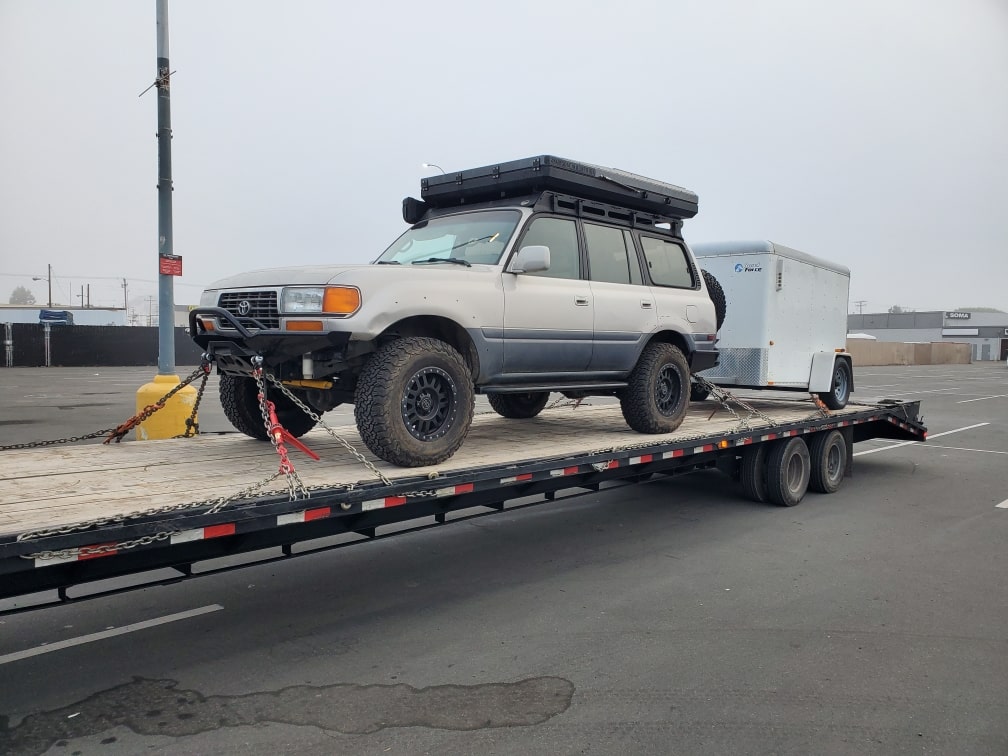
(262, 307)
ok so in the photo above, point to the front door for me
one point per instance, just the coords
(548, 315)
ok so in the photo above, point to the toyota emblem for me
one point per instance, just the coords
(244, 307)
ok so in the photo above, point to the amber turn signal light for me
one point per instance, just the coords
(341, 300)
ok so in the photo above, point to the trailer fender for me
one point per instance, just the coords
(821, 375)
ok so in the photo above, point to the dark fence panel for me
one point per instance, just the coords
(95, 346)
(28, 344)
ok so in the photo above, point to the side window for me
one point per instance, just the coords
(560, 236)
(607, 254)
(667, 263)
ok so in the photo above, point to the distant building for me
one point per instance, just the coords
(985, 332)
(102, 316)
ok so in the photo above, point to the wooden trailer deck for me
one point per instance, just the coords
(54, 486)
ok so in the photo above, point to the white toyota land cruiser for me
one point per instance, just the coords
(513, 280)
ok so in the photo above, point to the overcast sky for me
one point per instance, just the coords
(873, 133)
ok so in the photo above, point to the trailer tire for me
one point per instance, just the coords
(753, 473)
(717, 296)
(519, 406)
(414, 401)
(239, 398)
(787, 471)
(828, 452)
(698, 393)
(657, 394)
(840, 389)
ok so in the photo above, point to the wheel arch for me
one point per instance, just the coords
(435, 326)
(674, 338)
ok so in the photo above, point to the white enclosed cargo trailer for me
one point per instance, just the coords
(786, 322)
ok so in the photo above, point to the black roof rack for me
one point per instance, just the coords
(519, 178)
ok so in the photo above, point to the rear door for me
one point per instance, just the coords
(625, 312)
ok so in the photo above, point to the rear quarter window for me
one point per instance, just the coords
(667, 263)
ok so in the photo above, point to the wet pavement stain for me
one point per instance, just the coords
(158, 707)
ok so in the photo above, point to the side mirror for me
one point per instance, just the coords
(531, 259)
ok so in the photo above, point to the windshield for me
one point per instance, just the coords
(467, 238)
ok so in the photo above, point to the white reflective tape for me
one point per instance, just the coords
(187, 535)
(373, 504)
(290, 519)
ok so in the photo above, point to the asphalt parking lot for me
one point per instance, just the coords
(666, 617)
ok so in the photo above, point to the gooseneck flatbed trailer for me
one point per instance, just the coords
(73, 515)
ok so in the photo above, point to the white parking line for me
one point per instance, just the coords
(1003, 504)
(963, 448)
(980, 399)
(111, 633)
(907, 443)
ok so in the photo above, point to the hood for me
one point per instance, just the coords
(312, 275)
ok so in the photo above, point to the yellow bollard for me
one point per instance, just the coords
(169, 421)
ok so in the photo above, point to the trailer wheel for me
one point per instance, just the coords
(717, 296)
(239, 398)
(698, 393)
(828, 452)
(753, 473)
(843, 379)
(519, 406)
(414, 401)
(657, 395)
(787, 471)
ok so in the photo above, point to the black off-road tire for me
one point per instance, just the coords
(787, 471)
(414, 401)
(717, 296)
(753, 473)
(840, 388)
(239, 398)
(657, 393)
(519, 406)
(828, 452)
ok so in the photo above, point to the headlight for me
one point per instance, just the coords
(336, 300)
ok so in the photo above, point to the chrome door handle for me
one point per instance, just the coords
(581, 301)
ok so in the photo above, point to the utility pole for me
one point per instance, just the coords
(171, 421)
(125, 302)
(860, 305)
(166, 286)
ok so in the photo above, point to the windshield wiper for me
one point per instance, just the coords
(388, 262)
(476, 241)
(452, 260)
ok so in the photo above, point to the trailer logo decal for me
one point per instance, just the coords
(750, 268)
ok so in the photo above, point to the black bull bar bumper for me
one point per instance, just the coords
(234, 340)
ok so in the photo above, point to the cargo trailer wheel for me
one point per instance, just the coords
(414, 401)
(239, 397)
(753, 473)
(698, 393)
(787, 471)
(838, 395)
(519, 406)
(828, 452)
(657, 394)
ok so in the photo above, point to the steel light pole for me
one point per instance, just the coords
(48, 278)
(432, 165)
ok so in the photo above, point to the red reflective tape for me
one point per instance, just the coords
(216, 531)
(86, 552)
(464, 488)
(317, 514)
(394, 501)
(570, 470)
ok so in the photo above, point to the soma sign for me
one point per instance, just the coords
(957, 316)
